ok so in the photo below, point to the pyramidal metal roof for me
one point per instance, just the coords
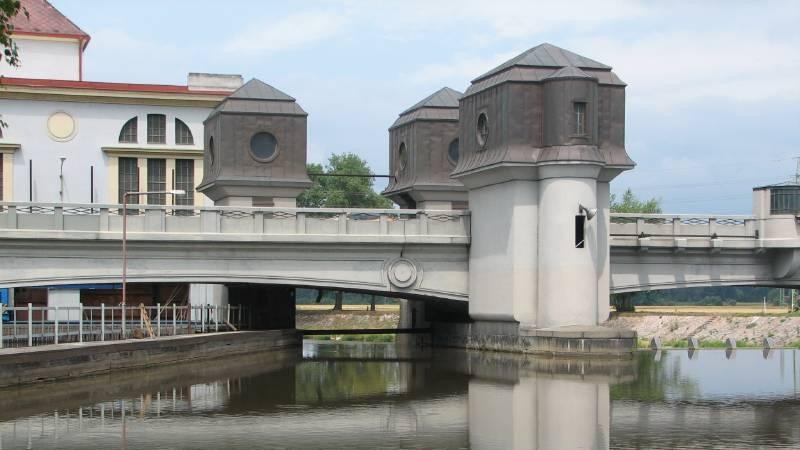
(547, 55)
(568, 72)
(443, 98)
(256, 89)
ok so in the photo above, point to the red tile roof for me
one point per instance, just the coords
(104, 86)
(44, 19)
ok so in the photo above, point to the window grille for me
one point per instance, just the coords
(784, 200)
(129, 131)
(184, 180)
(580, 117)
(156, 129)
(156, 180)
(128, 179)
(183, 135)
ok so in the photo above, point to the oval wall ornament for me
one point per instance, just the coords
(403, 272)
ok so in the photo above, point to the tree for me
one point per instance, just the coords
(8, 10)
(341, 192)
(631, 204)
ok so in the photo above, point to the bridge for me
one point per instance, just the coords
(420, 254)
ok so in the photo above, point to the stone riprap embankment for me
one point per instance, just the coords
(784, 331)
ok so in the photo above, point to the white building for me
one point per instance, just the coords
(71, 140)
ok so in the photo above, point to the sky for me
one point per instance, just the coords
(713, 96)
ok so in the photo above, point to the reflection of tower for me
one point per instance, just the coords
(541, 135)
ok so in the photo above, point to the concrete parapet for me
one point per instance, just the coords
(62, 361)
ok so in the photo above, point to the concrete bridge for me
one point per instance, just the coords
(420, 254)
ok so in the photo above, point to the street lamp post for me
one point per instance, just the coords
(125, 243)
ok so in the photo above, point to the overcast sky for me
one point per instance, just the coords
(713, 89)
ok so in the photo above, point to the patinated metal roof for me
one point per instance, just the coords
(256, 89)
(441, 105)
(443, 98)
(547, 55)
(257, 97)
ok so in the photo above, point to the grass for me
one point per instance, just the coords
(355, 337)
(712, 343)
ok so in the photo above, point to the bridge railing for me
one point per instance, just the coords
(683, 225)
(234, 220)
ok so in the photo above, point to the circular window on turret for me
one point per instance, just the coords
(483, 130)
(452, 152)
(264, 147)
(211, 150)
(402, 156)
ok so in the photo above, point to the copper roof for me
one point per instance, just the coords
(44, 19)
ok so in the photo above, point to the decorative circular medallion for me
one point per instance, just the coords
(61, 126)
(402, 272)
(263, 147)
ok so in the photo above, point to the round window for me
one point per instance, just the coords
(264, 147)
(402, 156)
(483, 130)
(211, 150)
(452, 152)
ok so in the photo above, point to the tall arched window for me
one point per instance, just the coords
(128, 133)
(183, 135)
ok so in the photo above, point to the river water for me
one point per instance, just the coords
(382, 396)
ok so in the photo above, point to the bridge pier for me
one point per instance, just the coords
(272, 307)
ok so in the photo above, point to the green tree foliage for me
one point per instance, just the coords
(8, 10)
(342, 191)
(631, 204)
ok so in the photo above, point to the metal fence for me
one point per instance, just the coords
(28, 326)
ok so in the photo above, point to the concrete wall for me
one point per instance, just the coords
(97, 126)
(54, 362)
(41, 58)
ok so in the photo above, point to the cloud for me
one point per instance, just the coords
(459, 70)
(292, 31)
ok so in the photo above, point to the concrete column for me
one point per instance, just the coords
(603, 224)
(568, 276)
(207, 294)
(503, 255)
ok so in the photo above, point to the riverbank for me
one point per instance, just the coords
(63, 361)
(747, 330)
(318, 319)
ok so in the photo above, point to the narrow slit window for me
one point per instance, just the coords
(580, 117)
(580, 231)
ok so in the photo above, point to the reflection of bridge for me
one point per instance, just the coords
(413, 253)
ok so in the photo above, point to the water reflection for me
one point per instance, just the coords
(353, 395)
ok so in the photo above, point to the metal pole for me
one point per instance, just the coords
(102, 321)
(80, 322)
(124, 257)
(2, 311)
(30, 325)
(228, 313)
(239, 321)
(55, 331)
(216, 318)
(174, 320)
(123, 321)
(158, 319)
(202, 320)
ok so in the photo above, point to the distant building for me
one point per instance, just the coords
(72, 140)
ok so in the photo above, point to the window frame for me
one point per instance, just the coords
(152, 127)
(182, 130)
(131, 124)
(580, 119)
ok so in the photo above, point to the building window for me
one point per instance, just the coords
(483, 130)
(211, 151)
(128, 134)
(1, 177)
(184, 180)
(452, 152)
(183, 135)
(580, 231)
(580, 117)
(156, 129)
(784, 199)
(402, 157)
(128, 179)
(156, 180)
(264, 147)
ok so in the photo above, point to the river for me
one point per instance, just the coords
(382, 396)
